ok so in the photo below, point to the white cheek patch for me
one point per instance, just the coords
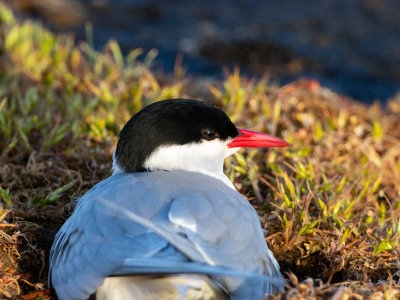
(206, 156)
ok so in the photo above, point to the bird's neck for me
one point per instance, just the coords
(204, 157)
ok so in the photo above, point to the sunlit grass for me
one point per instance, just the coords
(330, 203)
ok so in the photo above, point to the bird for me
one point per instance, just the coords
(168, 223)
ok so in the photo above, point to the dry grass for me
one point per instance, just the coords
(331, 203)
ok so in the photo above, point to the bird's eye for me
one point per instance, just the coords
(209, 134)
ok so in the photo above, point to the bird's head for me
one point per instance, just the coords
(182, 134)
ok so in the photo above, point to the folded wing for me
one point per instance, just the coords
(129, 223)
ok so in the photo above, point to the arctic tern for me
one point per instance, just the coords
(168, 224)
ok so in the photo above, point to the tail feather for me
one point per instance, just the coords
(143, 266)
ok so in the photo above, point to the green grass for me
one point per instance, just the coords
(330, 204)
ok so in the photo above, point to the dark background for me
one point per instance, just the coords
(351, 46)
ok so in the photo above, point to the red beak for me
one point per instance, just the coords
(254, 139)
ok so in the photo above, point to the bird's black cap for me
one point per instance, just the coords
(169, 122)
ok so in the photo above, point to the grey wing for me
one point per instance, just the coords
(225, 228)
(95, 241)
(128, 229)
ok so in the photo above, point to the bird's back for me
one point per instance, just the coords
(159, 223)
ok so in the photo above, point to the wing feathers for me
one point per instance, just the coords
(141, 223)
(147, 266)
(157, 266)
(177, 241)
